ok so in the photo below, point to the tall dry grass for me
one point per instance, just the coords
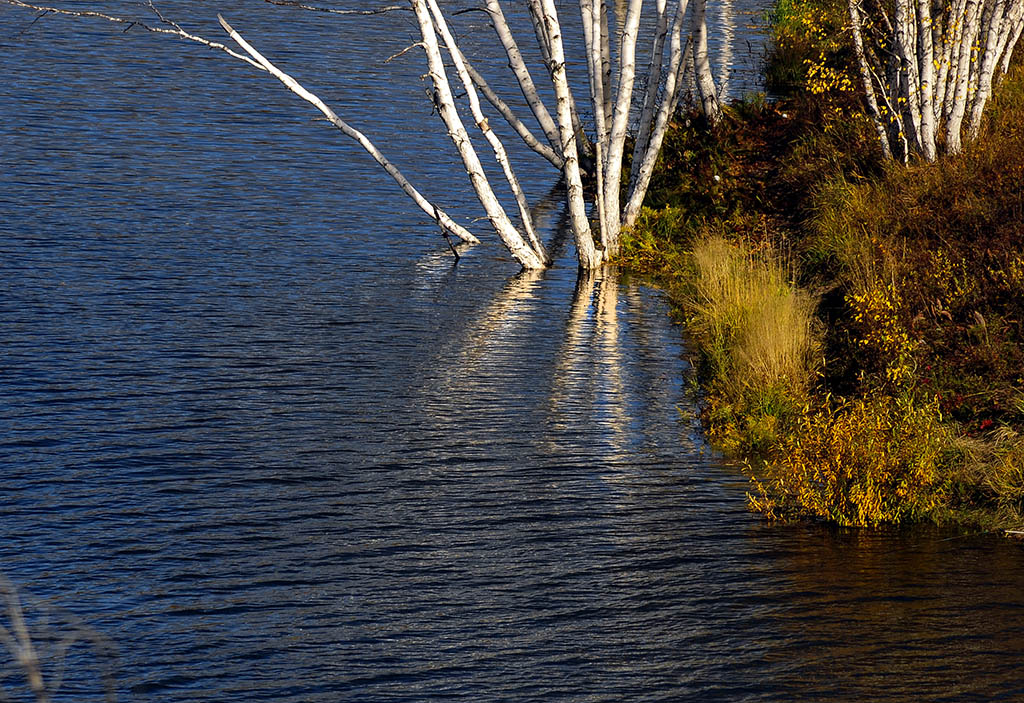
(757, 328)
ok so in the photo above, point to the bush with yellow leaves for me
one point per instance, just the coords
(862, 462)
(878, 315)
(810, 51)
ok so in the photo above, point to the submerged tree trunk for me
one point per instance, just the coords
(563, 137)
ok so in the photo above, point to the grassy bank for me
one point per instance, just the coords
(859, 325)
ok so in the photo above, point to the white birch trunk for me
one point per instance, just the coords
(906, 48)
(1015, 34)
(998, 32)
(620, 122)
(563, 130)
(962, 75)
(484, 125)
(606, 57)
(866, 79)
(654, 70)
(942, 42)
(512, 239)
(522, 74)
(588, 255)
(710, 106)
(645, 168)
(938, 69)
(926, 62)
(955, 31)
(590, 16)
(543, 30)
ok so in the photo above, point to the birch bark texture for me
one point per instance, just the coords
(927, 68)
(587, 146)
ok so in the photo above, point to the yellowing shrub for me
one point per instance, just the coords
(866, 462)
(877, 314)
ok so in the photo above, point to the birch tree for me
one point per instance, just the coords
(927, 68)
(584, 139)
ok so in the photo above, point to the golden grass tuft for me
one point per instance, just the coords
(758, 328)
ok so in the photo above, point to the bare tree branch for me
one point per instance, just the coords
(315, 8)
(403, 52)
(176, 31)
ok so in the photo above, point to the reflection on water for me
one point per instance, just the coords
(737, 43)
(277, 445)
(590, 361)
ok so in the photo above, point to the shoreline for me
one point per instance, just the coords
(857, 323)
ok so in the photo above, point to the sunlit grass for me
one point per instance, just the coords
(758, 326)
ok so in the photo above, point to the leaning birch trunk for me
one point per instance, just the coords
(1014, 37)
(954, 141)
(866, 78)
(710, 106)
(588, 255)
(617, 135)
(484, 125)
(644, 169)
(653, 85)
(999, 32)
(436, 213)
(522, 74)
(510, 237)
(986, 66)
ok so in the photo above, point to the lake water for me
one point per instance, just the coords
(258, 429)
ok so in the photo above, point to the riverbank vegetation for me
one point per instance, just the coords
(859, 322)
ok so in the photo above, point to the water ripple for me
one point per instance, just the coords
(259, 430)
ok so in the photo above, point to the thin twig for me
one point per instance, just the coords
(156, 11)
(403, 52)
(31, 24)
(315, 8)
(135, 23)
